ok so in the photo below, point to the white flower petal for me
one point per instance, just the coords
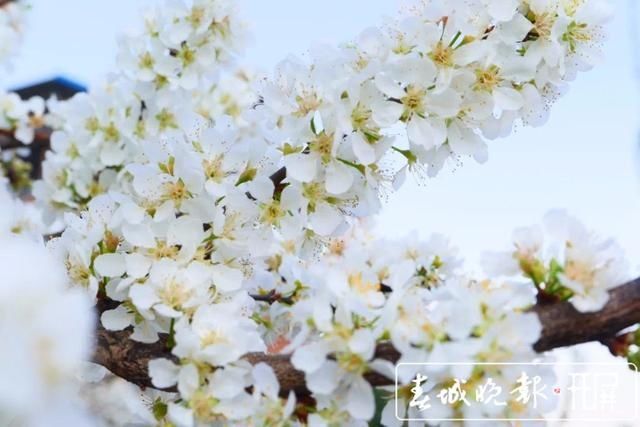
(502, 10)
(508, 98)
(143, 296)
(163, 373)
(339, 178)
(325, 220)
(325, 380)
(262, 189)
(265, 380)
(137, 265)
(139, 235)
(426, 133)
(110, 265)
(363, 343)
(365, 152)
(226, 279)
(116, 319)
(226, 383)
(301, 167)
(188, 380)
(389, 87)
(179, 415)
(310, 357)
(361, 403)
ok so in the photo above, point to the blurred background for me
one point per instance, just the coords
(586, 159)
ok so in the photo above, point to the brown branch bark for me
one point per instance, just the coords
(562, 326)
(37, 149)
(8, 141)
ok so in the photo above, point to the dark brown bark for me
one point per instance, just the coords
(562, 326)
(38, 148)
(126, 358)
(8, 141)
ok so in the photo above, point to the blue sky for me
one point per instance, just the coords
(586, 159)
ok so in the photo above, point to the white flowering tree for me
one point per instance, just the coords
(217, 223)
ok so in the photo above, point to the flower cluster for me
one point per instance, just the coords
(182, 231)
(19, 121)
(182, 44)
(435, 84)
(37, 313)
(176, 76)
(413, 295)
(565, 261)
(332, 314)
(22, 117)
(171, 277)
(18, 118)
(221, 222)
(448, 76)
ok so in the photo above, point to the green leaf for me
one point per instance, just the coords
(380, 403)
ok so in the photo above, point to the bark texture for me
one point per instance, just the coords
(562, 326)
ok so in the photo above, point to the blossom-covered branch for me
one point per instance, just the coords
(220, 221)
(178, 219)
(562, 326)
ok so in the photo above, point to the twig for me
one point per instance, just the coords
(8, 140)
(272, 297)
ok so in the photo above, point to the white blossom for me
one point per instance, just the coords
(225, 215)
(41, 358)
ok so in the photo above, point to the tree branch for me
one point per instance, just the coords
(562, 326)
(8, 140)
